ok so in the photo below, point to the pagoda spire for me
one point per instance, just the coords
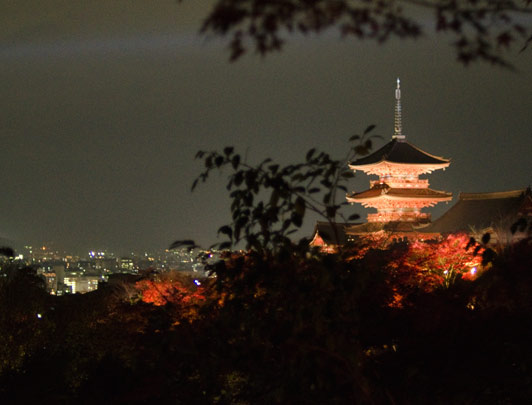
(398, 124)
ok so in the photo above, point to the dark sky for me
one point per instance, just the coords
(105, 103)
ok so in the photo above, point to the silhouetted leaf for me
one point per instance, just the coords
(239, 178)
(274, 198)
(297, 219)
(7, 251)
(472, 242)
(331, 212)
(520, 226)
(488, 256)
(235, 161)
(369, 129)
(225, 245)
(486, 238)
(226, 230)
(273, 168)
(300, 207)
(186, 243)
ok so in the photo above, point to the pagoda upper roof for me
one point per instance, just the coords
(402, 152)
(479, 211)
(399, 193)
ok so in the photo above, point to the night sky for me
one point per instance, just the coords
(105, 103)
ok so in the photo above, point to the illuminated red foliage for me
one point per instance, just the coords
(427, 265)
(167, 291)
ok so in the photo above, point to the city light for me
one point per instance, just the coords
(65, 273)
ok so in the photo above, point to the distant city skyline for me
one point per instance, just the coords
(104, 106)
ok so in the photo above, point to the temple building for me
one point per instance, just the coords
(398, 194)
(499, 214)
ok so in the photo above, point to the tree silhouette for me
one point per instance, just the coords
(269, 201)
(480, 30)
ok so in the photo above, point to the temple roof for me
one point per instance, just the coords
(402, 152)
(370, 227)
(388, 192)
(327, 232)
(479, 211)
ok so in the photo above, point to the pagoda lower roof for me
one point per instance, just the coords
(384, 191)
(402, 152)
(392, 227)
(371, 227)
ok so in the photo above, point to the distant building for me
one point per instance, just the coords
(126, 265)
(82, 284)
(105, 265)
(54, 274)
(50, 281)
(85, 266)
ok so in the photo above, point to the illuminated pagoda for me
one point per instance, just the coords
(399, 194)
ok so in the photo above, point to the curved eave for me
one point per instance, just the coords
(402, 152)
(439, 198)
(375, 168)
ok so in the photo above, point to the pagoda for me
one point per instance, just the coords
(399, 194)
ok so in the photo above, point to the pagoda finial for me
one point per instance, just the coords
(398, 125)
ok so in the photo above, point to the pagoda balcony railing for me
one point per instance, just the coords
(399, 216)
(401, 183)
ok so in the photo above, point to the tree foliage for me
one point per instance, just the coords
(481, 30)
(284, 328)
(23, 301)
(269, 201)
(428, 266)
